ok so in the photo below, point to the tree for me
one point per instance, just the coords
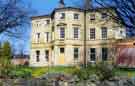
(5, 59)
(125, 10)
(12, 14)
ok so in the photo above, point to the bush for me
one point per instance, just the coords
(20, 72)
(84, 73)
(105, 71)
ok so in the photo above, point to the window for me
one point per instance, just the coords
(37, 37)
(62, 16)
(76, 16)
(92, 16)
(62, 50)
(76, 32)
(37, 55)
(47, 55)
(104, 32)
(76, 51)
(46, 36)
(92, 33)
(62, 33)
(104, 54)
(104, 15)
(92, 54)
(47, 21)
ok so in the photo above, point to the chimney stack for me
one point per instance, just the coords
(88, 4)
(61, 4)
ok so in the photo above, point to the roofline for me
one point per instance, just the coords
(41, 16)
(69, 8)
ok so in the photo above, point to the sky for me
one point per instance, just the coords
(39, 7)
(46, 6)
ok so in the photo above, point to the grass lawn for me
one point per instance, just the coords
(39, 71)
(126, 72)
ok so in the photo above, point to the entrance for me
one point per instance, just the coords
(61, 60)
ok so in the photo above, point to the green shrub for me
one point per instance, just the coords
(84, 73)
(104, 71)
(20, 72)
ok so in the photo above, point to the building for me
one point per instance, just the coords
(71, 36)
(126, 53)
(20, 59)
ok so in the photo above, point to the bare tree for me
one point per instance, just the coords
(13, 13)
(125, 10)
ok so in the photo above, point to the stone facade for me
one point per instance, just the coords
(60, 38)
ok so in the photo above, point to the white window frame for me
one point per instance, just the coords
(61, 34)
(76, 16)
(90, 54)
(38, 37)
(104, 33)
(92, 35)
(76, 35)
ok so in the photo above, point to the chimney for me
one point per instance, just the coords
(88, 4)
(61, 4)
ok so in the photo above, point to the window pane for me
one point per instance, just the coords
(61, 50)
(47, 21)
(104, 15)
(62, 33)
(76, 16)
(47, 55)
(92, 54)
(62, 16)
(37, 55)
(37, 37)
(76, 53)
(92, 33)
(76, 31)
(92, 16)
(104, 32)
(104, 54)
(47, 36)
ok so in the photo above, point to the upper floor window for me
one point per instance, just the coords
(104, 54)
(92, 33)
(104, 15)
(92, 16)
(37, 37)
(104, 32)
(92, 54)
(76, 53)
(76, 32)
(37, 55)
(46, 36)
(62, 32)
(47, 55)
(47, 21)
(62, 16)
(76, 16)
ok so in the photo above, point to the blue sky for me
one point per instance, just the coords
(46, 6)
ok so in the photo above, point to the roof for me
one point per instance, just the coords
(40, 16)
(69, 8)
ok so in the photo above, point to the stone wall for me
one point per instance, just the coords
(45, 82)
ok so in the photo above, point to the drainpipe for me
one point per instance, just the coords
(85, 56)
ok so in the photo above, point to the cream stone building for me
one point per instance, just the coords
(72, 36)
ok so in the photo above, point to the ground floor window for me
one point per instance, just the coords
(104, 54)
(62, 50)
(76, 53)
(92, 54)
(47, 55)
(37, 55)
